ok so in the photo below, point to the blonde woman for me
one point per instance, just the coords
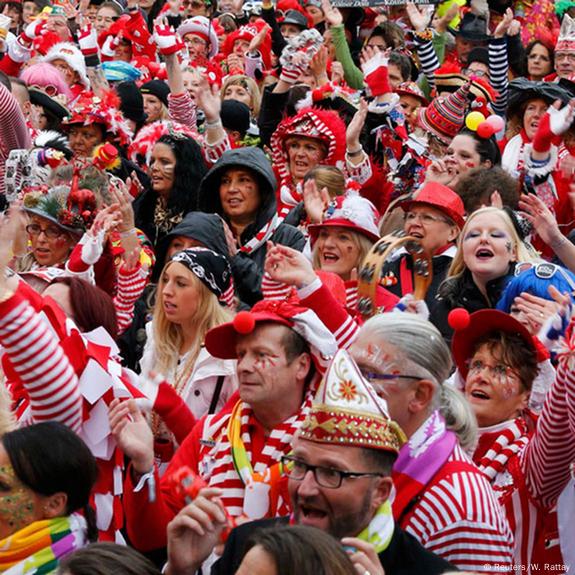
(187, 307)
(488, 249)
(244, 90)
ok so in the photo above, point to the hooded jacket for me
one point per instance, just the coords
(248, 268)
(208, 229)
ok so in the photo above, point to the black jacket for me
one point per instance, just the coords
(462, 292)
(248, 269)
(440, 265)
(404, 555)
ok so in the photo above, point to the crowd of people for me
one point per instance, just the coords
(287, 287)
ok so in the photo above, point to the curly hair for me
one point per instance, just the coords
(188, 173)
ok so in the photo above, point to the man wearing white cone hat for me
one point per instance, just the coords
(339, 481)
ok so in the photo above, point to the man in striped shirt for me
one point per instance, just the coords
(339, 482)
(281, 350)
(442, 499)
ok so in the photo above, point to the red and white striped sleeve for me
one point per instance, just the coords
(318, 298)
(182, 109)
(460, 520)
(41, 364)
(130, 287)
(272, 289)
(546, 459)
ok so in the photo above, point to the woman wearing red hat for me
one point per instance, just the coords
(435, 217)
(527, 460)
(488, 248)
(312, 137)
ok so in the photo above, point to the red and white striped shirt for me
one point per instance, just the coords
(529, 481)
(40, 364)
(458, 518)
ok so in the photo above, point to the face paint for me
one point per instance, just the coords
(16, 503)
(508, 245)
(374, 356)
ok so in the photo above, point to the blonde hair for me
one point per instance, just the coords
(363, 243)
(328, 177)
(248, 84)
(168, 336)
(521, 251)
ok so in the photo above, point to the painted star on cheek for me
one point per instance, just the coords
(508, 245)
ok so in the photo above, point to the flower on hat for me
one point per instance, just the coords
(347, 411)
(91, 109)
(72, 209)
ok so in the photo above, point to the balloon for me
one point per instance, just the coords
(497, 122)
(485, 130)
(473, 119)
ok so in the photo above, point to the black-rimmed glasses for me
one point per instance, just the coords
(328, 477)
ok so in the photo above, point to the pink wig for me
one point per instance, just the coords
(46, 77)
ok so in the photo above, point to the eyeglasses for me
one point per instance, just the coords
(479, 73)
(569, 56)
(372, 375)
(51, 233)
(544, 271)
(496, 371)
(425, 219)
(324, 476)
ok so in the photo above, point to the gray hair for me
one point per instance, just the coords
(417, 339)
(420, 343)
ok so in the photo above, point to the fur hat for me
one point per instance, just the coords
(71, 54)
(202, 27)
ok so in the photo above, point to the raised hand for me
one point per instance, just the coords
(355, 127)
(418, 17)
(195, 531)
(540, 217)
(288, 266)
(88, 40)
(332, 15)
(314, 201)
(166, 39)
(132, 434)
(503, 26)
(208, 99)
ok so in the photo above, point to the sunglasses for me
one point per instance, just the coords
(544, 271)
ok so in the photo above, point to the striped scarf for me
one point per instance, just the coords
(217, 464)
(498, 444)
(262, 236)
(37, 549)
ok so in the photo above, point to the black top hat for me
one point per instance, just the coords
(40, 98)
(472, 27)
